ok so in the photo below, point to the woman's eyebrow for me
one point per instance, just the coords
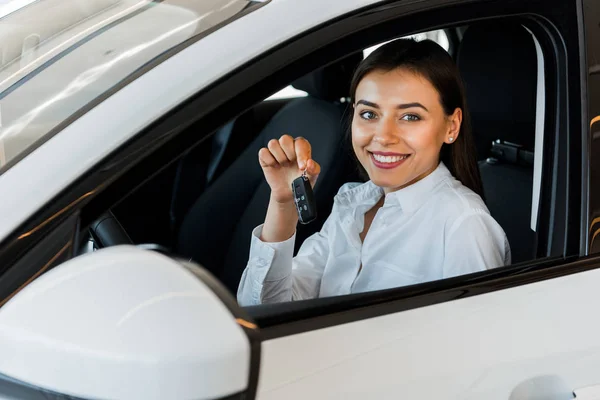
(399, 106)
(410, 105)
(367, 103)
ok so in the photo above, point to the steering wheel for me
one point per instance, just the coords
(106, 231)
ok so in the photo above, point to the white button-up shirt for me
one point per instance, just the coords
(433, 229)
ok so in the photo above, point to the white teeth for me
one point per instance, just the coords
(388, 159)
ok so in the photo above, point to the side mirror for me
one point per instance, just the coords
(126, 323)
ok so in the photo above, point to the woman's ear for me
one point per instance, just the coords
(454, 122)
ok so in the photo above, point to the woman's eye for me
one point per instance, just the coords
(368, 115)
(411, 117)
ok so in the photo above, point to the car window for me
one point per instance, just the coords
(505, 163)
(207, 201)
(288, 92)
(439, 36)
(59, 55)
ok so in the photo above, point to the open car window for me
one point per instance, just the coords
(227, 163)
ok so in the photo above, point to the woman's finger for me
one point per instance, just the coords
(277, 152)
(286, 142)
(266, 159)
(313, 169)
(303, 152)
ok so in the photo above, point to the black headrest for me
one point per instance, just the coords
(331, 82)
(498, 63)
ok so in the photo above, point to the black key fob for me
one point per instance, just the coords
(304, 199)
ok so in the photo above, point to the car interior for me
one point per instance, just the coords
(204, 206)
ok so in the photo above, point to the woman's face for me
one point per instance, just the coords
(399, 126)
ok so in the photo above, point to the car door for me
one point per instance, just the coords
(507, 333)
(528, 334)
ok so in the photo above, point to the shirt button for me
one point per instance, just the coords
(261, 262)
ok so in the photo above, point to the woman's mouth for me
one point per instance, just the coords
(387, 160)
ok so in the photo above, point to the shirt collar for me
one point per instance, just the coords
(409, 198)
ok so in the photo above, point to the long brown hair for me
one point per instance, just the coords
(431, 61)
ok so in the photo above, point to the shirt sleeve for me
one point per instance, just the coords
(274, 275)
(475, 242)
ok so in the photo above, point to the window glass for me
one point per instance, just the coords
(288, 92)
(438, 36)
(9, 6)
(56, 56)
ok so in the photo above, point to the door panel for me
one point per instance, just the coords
(480, 347)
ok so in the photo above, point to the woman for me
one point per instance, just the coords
(419, 218)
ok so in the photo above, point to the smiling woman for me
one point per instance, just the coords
(422, 98)
(419, 218)
(377, 122)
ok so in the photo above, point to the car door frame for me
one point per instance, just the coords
(590, 52)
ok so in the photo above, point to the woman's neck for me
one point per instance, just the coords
(417, 179)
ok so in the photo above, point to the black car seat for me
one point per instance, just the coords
(201, 164)
(217, 229)
(498, 63)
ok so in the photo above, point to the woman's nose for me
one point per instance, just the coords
(387, 133)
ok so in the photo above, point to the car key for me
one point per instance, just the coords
(304, 199)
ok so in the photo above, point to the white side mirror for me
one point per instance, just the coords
(124, 323)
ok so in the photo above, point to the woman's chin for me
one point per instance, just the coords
(387, 184)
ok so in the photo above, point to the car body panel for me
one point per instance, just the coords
(481, 347)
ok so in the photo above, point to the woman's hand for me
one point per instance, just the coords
(284, 160)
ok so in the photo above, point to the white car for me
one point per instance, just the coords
(130, 184)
